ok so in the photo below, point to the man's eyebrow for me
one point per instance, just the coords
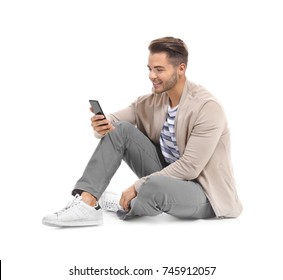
(158, 66)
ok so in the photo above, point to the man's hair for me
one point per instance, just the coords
(176, 49)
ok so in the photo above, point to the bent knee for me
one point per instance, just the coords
(123, 125)
(152, 186)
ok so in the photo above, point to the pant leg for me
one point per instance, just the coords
(179, 198)
(126, 143)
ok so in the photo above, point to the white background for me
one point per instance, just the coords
(56, 55)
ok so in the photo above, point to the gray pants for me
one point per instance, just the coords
(179, 198)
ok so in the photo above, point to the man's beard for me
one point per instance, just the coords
(169, 84)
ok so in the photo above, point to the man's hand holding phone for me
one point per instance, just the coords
(99, 122)
(101, 125)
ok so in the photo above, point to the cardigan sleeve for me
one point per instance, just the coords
(128, 114)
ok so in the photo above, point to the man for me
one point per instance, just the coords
(177, 142)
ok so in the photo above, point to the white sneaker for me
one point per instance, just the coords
(109, 201)
(76, 213)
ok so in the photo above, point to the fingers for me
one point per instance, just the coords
(101, 125)
(126, 198)
(125, 203)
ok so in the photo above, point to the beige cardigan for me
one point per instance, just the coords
(203, 139)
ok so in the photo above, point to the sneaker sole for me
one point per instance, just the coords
(72, 224)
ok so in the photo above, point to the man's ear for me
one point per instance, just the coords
(182, 69)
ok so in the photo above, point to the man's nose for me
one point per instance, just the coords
(152, 75)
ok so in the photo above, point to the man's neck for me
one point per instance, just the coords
(176, 93)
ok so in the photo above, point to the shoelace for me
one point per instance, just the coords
(72, 203)
(110, 204)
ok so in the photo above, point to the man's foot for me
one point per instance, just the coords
(110, 201)
(76, 213)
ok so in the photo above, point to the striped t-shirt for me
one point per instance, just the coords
(167, 140)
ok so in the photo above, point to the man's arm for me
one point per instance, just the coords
(200, 147)
(127, 114)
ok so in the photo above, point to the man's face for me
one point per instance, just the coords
(164, 75)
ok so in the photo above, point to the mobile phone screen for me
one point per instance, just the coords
(96, 107)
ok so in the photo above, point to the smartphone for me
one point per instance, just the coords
(96, 107)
